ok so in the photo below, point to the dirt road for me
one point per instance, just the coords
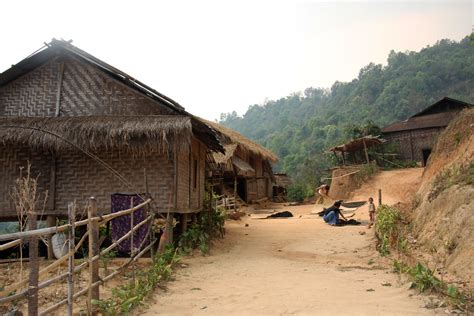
(297, 265)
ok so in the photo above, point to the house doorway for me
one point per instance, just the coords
(242, 189)
(426, 153)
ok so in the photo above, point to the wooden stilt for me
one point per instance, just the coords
(184, 222)
(365, 151)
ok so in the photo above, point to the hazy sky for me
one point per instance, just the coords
(220, 56)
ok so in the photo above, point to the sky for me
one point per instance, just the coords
(216, 57)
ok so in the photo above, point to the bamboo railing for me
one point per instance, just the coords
(93, 222)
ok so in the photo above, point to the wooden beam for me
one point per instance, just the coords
(58, 91)
(365, 151)
(34, 266)
(50, 222)
(93, 228)
(71, 208)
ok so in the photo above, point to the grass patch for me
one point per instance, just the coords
(462, 174)
(389, 230)
(200, 235)
(126, 297)
(365, 173)
(424, 280)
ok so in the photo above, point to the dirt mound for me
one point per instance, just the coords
(396, 185)
(454, 146)
(443, 220)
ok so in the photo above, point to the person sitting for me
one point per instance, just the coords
(331, 215)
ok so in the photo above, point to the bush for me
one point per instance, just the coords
(365, 173)
(126, 297)
(296, 193)
(387, 228)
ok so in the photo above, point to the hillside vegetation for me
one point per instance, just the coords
(301, 126)
(444, 222)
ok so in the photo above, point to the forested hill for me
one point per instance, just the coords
(299, 127)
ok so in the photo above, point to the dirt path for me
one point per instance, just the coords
(297, 265)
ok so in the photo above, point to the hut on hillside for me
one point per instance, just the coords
(355, 161)
(280, 188)
(62, 108)
(244, 169)
(356, 151)
(416, 136)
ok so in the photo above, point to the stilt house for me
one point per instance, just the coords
(416, 136)
(61, 108)
(244, 169)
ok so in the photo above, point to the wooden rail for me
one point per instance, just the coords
(93, 221)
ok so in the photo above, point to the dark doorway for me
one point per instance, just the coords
(242, 189)
(426, 153)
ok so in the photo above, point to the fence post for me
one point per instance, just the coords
(34, 266)
(93, 227)
(132, 225)
(380, 197)
(71, 213)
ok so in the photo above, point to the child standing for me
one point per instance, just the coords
(371, 212)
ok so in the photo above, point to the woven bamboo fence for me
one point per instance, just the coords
(93, 223)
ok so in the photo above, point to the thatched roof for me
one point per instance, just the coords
(137, 134)
(283, 180)
(229, 136)
(358, 144)
(221, 158)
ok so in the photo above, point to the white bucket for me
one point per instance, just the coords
(60, 245)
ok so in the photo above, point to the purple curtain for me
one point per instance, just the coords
(121, 225)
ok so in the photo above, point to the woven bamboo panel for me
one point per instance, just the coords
(79, 177)
(11, 159)
(33, 94)
(183, 180)
(197, 193)
(421, 139)
(88, 91)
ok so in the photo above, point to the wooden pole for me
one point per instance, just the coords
(132, 239)
(184, 222)
(71, 208)
(235, 192)
(365, 151)
(93, 227)
(34, 266)
(380, 197)
(50, 222)
(50, 219)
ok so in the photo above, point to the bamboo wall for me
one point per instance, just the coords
(85, 90)
(78, 177)
(410, 144)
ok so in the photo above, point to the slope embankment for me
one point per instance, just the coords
(443, 222)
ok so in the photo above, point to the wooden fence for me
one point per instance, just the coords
(17, 290)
